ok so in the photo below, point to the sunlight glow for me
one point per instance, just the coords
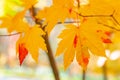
(1, 7)
(115, 55)
(84, 2)
(43, 3)
(107, 52)
(101, 61)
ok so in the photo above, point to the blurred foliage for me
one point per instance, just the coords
(113, 66)
(11, 6)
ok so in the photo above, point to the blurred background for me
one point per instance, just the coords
(99, 68)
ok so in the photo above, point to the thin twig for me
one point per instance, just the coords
(70, 22)
(94, 15)
(115, 20)
(113, 17)
(11, 34)
(67, 22)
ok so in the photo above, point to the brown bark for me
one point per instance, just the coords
(83, 75)
(50, 53)
(104, 72)
(51, 59)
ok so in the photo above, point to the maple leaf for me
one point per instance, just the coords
(83, 58)
(67, 8)
(115, 5)
(105, 36)
(15, 23)
(22, 53)
(102, 8)
(80, 40)
(28, 3)
(33, 41)
(115, 41)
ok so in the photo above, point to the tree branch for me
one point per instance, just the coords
(10, 34)
(50, 53)
(94, 15)
(33, 14)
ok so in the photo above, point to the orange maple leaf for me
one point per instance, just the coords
(33, 41)
(29, 3)
(81, 40)
(57, 12)
(15, 23)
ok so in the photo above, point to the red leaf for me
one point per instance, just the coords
(85, 61)
(108, 33)
(22, 53)
(75, 41)
(70, 10)
(106, 40)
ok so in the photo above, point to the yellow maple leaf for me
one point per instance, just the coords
(115, 5)
(102, 8)
(29, 3)
(15, 23)
(80, 40)
(33, 41)
(116, 41)
(57, 12)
